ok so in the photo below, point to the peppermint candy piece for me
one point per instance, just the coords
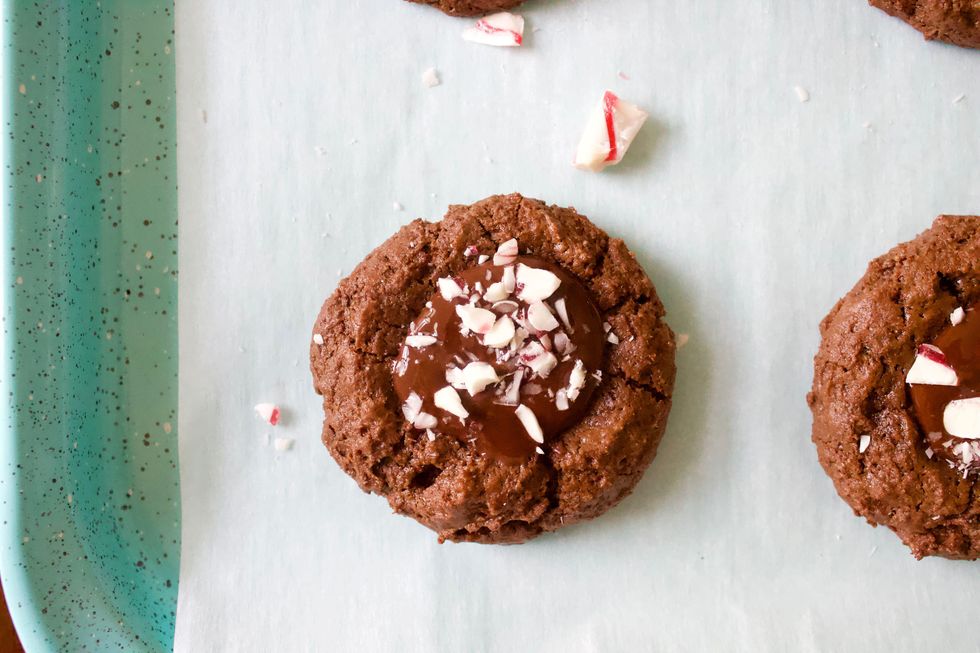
(506, 253)
(448, 399)
(931, 368)
(503, 30)
(535, 284)
(530, 423)
(500, 334)
(477, 376)
(608, 133)
(269, 413)
(540, 317)
(962, 418)
(477, 320)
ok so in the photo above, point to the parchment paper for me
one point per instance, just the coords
(303, 122)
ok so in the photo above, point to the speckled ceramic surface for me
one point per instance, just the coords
(89, 544)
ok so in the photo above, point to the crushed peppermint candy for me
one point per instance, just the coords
(957, 316)
(317, 339)
(430, 78)
(269, 413)
(931, 368)
(506, 254)
(530, 423)
(501, 29)
(608, 133)
(420, 341)
(450, 288)
(961, 418)
(863, 443)
(448, 399)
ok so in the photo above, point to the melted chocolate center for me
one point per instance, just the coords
(961, 346)
(492, 422)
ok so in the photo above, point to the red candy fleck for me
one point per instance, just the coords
(487, 28)
(609, 101)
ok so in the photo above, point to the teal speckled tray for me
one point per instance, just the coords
(90, 533)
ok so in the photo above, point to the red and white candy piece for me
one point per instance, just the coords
(448, 399)
(506, 253)
(412, 410)
(449, 289)
(500, 334)
(268, 412)
(962, 418)
(478, 376)
(477, 320)
(535, 284)
(530, 422)
(608, 133)
(540, 362)
(540, 317)
(503, 30)
(931, 368)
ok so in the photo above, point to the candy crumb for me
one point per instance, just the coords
(430, 78)
(959, 98)
(283, 444)
(957, 316)
(863, 443)
(802, 94)
(268, 412)
(682, 339)
(317, 339)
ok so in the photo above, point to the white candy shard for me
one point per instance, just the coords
(535, 284)
(496, 292)
(482, 258)
(420, 341)
(455, 378)
(268, 412)
(513, 394)
(540, 317)
(931, 368)
(317, 339)
(530, 423)
(608, 133)
(956, 317)
(612, 338)
(576, 380)
(506, 253)
(430, 78)
(412, 406)
(863, 443)
(962, 418)
(448, 399)
(503, 30)
(500, 334)
(477, 320)
(478, 376)
(510, 279)
(425, 421)
(540, 361)
(429, 434)
(563, 314)
(449, 289)
(561, 400)
(283, 444)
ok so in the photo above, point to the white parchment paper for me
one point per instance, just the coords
(302, 122)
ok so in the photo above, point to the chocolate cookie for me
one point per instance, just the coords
(497, 374)
(470, 7)
(953, 21)
(896, 391)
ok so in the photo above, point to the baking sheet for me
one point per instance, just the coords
(302, 123)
